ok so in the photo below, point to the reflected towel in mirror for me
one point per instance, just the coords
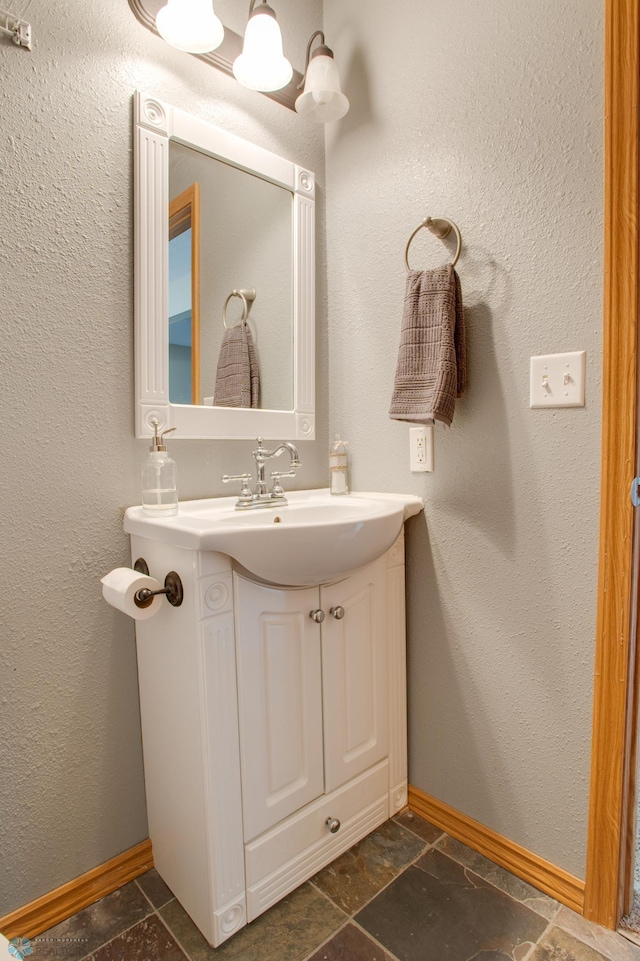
(237, 375)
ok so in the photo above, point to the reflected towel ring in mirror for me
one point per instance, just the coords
(441, 228)
(247, 295)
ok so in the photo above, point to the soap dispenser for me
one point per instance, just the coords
(159, 488)
(338, 467)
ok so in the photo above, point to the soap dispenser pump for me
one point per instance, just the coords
(159, 486)
(338, 467)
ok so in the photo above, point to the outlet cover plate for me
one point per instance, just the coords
(557, 380)
(421, 449)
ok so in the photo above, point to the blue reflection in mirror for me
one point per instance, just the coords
(180, 343)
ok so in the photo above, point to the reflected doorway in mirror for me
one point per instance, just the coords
(184, 296)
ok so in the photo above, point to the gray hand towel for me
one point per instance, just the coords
(237, 376)
(431, 370)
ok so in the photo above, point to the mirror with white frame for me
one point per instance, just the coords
(224, 239)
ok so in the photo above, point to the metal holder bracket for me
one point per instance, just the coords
(440, 227)
(172, 587)
(18, 30)
(247, 295)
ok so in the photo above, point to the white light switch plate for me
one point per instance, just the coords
(557, 380)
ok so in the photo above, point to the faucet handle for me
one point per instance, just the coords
(229, 477)
(245, 492)
(277, 490)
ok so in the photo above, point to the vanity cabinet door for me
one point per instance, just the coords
(354, 657)
(280, 702)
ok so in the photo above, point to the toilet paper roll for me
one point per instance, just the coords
(120, 586)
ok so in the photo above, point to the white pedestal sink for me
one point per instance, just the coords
(273, 698)
(315, 539)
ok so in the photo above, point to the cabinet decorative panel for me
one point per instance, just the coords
(294, 850)
(220, 748)
(354, 654)
(279, 691)
(397, 667)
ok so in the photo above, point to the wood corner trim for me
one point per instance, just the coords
(611, 762)
(63, 902)
(547, 877)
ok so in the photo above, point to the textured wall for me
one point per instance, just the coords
(71, 792)
(490, 114)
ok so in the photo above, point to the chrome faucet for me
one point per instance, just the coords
(261, 497)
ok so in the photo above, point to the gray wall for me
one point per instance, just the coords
(71, 792)
(490, 114)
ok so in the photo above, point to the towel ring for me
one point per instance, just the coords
(247, 296)
(441, 227)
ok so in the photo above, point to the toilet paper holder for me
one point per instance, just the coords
(172, 587)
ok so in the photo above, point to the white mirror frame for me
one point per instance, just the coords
(155, 123)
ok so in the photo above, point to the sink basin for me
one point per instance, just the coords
(315, 539)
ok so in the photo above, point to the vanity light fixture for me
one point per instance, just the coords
(262, 65)
(190, 25)
(322, 98)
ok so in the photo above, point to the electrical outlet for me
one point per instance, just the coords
(421, 448)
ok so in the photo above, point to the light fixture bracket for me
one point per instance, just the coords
(223, 56)
(264, 8)
(322, 50)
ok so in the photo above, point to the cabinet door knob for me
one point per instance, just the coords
(317, 616)
(333, 824)
(337, 612)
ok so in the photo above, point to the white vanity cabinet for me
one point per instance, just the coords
(273, 740)
(312, 694)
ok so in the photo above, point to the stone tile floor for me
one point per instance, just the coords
(407, 892)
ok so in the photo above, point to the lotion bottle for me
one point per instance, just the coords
(159, 487)
(338, 467)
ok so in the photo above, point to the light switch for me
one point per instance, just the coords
(557, 380)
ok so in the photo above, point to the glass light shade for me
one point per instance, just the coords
(262, 65)
(190, 25)
(322, 99)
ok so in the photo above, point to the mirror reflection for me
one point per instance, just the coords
(229, 231)
(184, 296)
